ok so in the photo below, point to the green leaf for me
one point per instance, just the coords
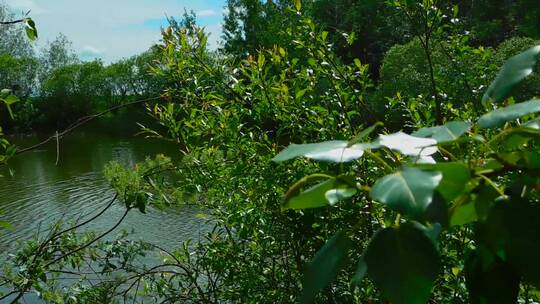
(358, 63)
(323, 194)
(527, 159)
(456, 175)
(501, 116)
(512, 233)
(325, 266)
(300, 93)
(334, 196)
(360, 273)
(364, 134)
(431, 231)
(11, 99)
(298, 5)
(403, 263)
(409, 191)
(533, 124)
(445, 133)
(408, 145)
(333, 151)
(31, 30)
(8, 101)
(5, 93)
(513, 71)
(464, 214)
(490, 280)
(484, 200)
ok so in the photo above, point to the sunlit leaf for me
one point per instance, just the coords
(533, 124)
(408, 145)
(5, 92)
(31, 30)
(333, 151)
(409, 191)
(8, 101)
(403, 263)
(513, 71)
(298, 5)
(445, 133)
(323, 194)
(455, 176)
(334, 196)
(325, 266)
(503, 115)
(464, 214)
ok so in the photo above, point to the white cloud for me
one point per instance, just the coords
(90, 53)
(25, 6)
(206, 13)
(115, 28)
(93, 50)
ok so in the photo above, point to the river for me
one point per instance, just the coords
(41, 192)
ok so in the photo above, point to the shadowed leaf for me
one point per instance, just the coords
(500, 116)
(512, 72)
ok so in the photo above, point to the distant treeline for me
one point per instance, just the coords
(56, 87)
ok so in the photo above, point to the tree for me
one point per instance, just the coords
(58, 53)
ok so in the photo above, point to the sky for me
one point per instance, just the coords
(115, 29)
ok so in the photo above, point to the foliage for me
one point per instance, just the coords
(13, 61)
(493, 194)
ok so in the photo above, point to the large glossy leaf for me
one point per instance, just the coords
(464, 214)
(490, 280)
(333, 151)
(323, 194)
(533, 124)
(455, 176)
(445, 133)
(501, 116)
(403, 263)
(512, 232)
(325, 266)
(408, 145)
(409, 191)
(513, 71)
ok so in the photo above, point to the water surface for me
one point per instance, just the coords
(40, 191)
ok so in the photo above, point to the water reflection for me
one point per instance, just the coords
(41, 192)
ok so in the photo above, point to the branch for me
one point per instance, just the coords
(91, 242)
(81, 121)
(12, 22)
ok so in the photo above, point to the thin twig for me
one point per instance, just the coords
(83, 121)
(91, 242)
(57, 148)
(12, 22)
